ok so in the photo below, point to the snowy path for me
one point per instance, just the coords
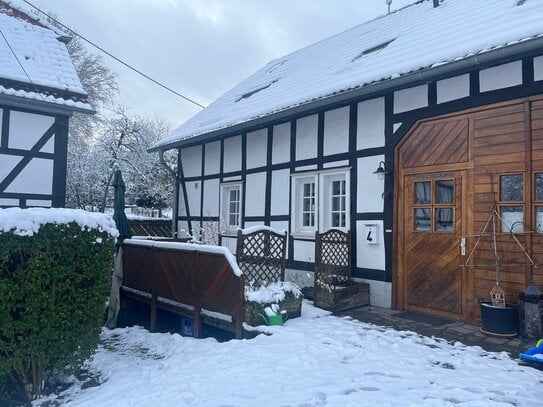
(316, 360)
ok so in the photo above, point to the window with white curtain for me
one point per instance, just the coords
(320, 201)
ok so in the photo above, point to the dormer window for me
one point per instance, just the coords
(373, 50)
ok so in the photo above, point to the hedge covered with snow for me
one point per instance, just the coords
(55, 274)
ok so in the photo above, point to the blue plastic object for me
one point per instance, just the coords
(533, 354)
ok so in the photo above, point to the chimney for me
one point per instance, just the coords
(388, 2)
(436, 3)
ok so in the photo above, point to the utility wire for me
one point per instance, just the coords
(19, 62)
(115, 58)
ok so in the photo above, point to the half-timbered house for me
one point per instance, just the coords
(406, 130)
(39, 91)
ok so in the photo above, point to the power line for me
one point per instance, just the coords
(115, 58)
(19, 62)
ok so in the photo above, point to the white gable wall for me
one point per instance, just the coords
(336, 131)
(281, 143)
(370, 128)
(35, 178)
(255, 194)
(232, 154)
(280, 189)
(27, 129)
(452, 88)
(211, 198)
(370, 187)
(410, 98)
(191, 159)
(501, 76)
(194, 197)
(213, 158)
(538, 68)
(257, 147)
(306, 137)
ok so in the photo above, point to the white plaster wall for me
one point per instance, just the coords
(251, 224)
(306, 137)
(306, 167)
(194, 197)
(49, 147)
(410, 98)
(538, 68)
(453, 88)
(304, 250)
(230, 179)
(191, 159)
(182, 228)
(35, 178)
(280, 189)
(9, 202)
(396, 126)
(232, 154)
(370, 187)
(25, 129)
(213, 158)
(7, 163)
(281, 143)
(43, 203)
(182, 210)
(211, 198)
(380, 292)
(370, 256)
(501, 76)
(229, 243)
(336, 131)
(280, 226)
(257, 146)
(335, 164)
(255, 194)
(370, 126)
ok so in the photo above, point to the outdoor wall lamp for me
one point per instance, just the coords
(381, 171)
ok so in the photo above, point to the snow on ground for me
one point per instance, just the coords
(316, 360)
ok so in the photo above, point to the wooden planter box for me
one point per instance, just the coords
(342, 298)
(291, 304)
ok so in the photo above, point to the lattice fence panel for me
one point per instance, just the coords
(261, 256)
(333, 258)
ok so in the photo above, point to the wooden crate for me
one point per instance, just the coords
(342, 298)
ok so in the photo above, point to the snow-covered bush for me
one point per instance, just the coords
(55, 273)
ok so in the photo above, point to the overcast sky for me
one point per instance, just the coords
(202, 48)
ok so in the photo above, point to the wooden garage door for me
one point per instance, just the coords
(432, 224)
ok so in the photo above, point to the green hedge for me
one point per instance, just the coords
(53, 287)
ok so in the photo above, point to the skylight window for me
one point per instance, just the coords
(373, 50)
(252, 92)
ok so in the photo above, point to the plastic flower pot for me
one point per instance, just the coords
(499, 321)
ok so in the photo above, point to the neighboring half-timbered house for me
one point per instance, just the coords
(39, 91)
(406, 130)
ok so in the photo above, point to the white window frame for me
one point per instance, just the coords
(323, 199)
(225, 226)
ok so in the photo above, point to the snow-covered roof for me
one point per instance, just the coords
(34, 61)
(415, 38)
